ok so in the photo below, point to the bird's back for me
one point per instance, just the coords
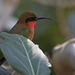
(18, 30)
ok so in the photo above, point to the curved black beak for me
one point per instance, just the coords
(43, 17)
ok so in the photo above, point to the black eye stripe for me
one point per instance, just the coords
(31, 19)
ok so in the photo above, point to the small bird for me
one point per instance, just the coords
(25, 26)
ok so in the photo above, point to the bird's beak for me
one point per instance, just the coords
(43, 17)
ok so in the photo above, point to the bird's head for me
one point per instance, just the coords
(28, 19)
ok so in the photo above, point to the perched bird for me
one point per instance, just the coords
(62, 58)
(25, 26)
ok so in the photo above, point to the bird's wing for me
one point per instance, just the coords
(17, 29)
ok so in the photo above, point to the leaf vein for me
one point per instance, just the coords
(20, 61)
(37, 73)
(27, 56)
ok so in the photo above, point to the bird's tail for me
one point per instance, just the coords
(2, 61)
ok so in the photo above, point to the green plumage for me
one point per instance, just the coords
(19, 30)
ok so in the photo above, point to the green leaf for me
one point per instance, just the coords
(23, 55)
(3, 71)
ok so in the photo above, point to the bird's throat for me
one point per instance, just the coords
(31, 24)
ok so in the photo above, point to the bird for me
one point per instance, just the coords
(25, 26)
(62, 58)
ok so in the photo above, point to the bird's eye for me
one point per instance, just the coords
(30, 19)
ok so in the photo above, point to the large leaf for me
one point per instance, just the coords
(23, 55)
(3, 71)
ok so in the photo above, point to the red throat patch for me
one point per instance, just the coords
(31, 24)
